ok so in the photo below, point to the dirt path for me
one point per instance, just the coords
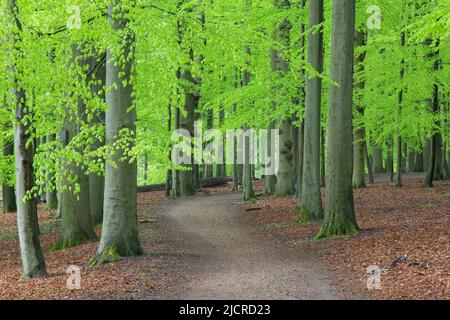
(221, 255)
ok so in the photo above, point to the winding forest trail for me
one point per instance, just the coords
(222, 255)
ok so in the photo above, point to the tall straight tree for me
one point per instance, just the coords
(75, 207)
(52, 193)
(120, 228)
(97, 181)
(311, 202)
(27, 219)
(399, 143)
(359, 142)
(339, 206)
(8, 193)
(285, 181)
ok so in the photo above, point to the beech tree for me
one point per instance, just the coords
(27, 218)
(311, 202)
(120, 231)
(339, 209)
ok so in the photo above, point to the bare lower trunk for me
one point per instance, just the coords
(301, 143)
(8, 193)
(51, 195)
(339, 211)
(120, 227)
(97, 181)
(27, 219)
(75, 208)
(311, 202)
(398, 173)
(358, 160)
(285, 185)
(269, 180)
(377, 155)
(247, 187)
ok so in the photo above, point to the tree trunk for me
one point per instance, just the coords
(301, 144)
(294, 137)
(209, 168)
(359, 136)
(169, 178)
(398, 176)
(8, 193)
(377, 160)
(428, 183)
(270, 180)
(390, 160)
(247, 187)
(120, 227)
(398, 172)
(339, 211)
(221, 168)
(418, 162)
(410, 160)
(311, 202)
(285, 185)
(187, 183)
(359, 180)
(439, 166)
(97, 181)
(76, 214)
(51, 189)
(369, 163)
(27, 219)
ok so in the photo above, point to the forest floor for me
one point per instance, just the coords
(213, 246)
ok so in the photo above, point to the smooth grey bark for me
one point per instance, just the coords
(209, 168)
(27, 219)
(187, 177)
(377, 156)
(294, 137)
(120, 228)
(359, 180)
(311, 202)
(285, 183)
(358, 135)
(418, 162)
(301, 144)
(411, 160)
(175, 190)
(339, 210)
(301, 130)
(439, 173)
(399, 144)
(97, 181)
(169, 178)
(390, 159)
(426, 153)
(8, 193)
(247, 186)
(270, 180)
(51, 195)
(75, 207)
(431, 166)
(369, 164)
(322, 158)
(221, 168)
